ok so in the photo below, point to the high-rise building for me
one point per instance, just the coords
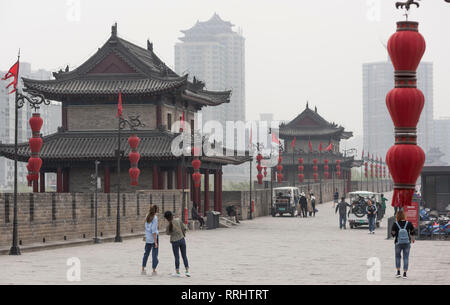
(213, 53)
(378, 80)
(441, 139)
(51, 114)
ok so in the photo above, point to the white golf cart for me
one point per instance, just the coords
(285, 200)
(358, 214)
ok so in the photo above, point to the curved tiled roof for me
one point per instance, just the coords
(102, 145)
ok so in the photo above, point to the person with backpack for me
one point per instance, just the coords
(371, 211)
(151, 239)
(342, 208)
(177, 231)
(403, 231)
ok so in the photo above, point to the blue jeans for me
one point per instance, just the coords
(342, 220)
(178, 246)
(372, 225)
(148, 248)
(398, 256)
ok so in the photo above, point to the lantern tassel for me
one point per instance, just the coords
(402, 197)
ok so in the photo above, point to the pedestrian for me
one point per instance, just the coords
(151, 239)
(403, 231)
(371, 211)
(177, 231)
(197, 216)
(335, 198)
(342, 208)
(303, 205)
(232, 213)
(312, 205)
(383, 204)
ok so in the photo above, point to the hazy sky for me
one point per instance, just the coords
(296, 50)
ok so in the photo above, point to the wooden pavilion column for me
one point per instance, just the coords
(66, 181)
(155, 177)
(42, 182)
(170, 179)
(220, 190)
(59, 182)
(216, 190)
(179, 177)
(206, 191)
(106, 180)
(35, 186)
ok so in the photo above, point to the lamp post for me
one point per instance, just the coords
(34, 99)
(96, 240)
(133, 123)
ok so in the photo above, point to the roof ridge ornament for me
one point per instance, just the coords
(114, 30)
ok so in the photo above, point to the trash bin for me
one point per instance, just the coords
(212, 220)
(390, 222)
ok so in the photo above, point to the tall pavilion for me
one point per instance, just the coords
(89, 97)
(308, 127)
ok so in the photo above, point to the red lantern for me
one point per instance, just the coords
(134, 175)
(259, 168)
(134, 141)
(405, 164)
(315, 168)
(260, 178)
(301, 168)
(36, 123)
(338, 174)
(326, 174)
(300, 161)
(35, 145)
(265, 171)
(197, 177)
(196, 163)
(279, 178)
(279, 167)
(315, 161)
(259, 157)
(301, 177)
(406, 47)
(280, 159)
(134, 158)
(405, 106)
(366, 168)
(316, 177)
(35, 164)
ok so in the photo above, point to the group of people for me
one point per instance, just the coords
(177, 231)
(402, 230)
(307, 205)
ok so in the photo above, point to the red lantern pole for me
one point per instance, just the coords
(35, 142)
(280, 169)
(260, 177)
(405, 103)
(301, 168)
(134, 157)
(196, 176)
(315, 170)
(325, 169)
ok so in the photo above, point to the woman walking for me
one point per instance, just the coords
(403, 231)
(151, 239)
(177, 231)
(312, 206)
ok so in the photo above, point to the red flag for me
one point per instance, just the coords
(330, 147)
(13, 72)
(310, 146)
(293, 142)
(182, 122)
(119, 107)
(275, 139)
(320, 147)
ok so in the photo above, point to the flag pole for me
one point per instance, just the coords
(15, 250)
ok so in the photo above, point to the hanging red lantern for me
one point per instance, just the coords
(259, 157)
(279, 178)
(326, 175)
(265, 171)
(260, 178)
(371, 170)
(405, 103)
(279, 167)
(35, 142)
(301, 168)
(134, 158)
(366, 169)
(406, 47)
(338, 174)
(36, 123)
(134, 175)
(316, 177)
(197, 178)
(405, 164)
(300, 161)
(301, 177)
(196, 163)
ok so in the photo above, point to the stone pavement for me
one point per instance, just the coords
(281, 250)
